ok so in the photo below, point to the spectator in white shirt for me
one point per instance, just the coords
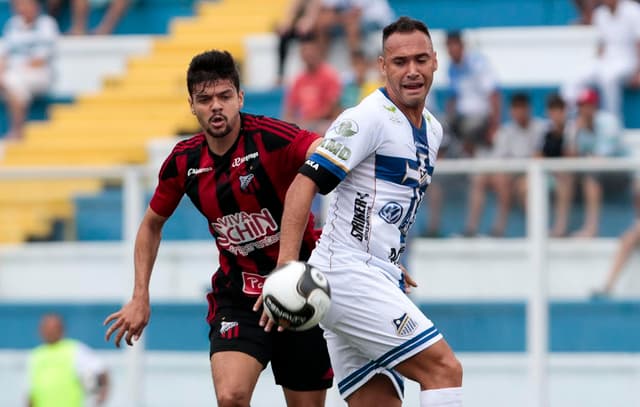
(618, 54)
(595, 133)
(355, 17)
(473, 110)
(519, 138)
(29, 40)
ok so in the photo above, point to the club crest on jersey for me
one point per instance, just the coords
(346, 128)
(245, 181)
(229, 330)
(404, 325)
(391, 212)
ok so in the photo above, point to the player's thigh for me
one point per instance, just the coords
(235, 375)
(305, 398)
(379, 391)
(354, 370)
(301, 365)
(240, 350)
(433, 367)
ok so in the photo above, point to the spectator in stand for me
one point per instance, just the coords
(26, 54)
(585, 10)
(618, 54)
(473, 110)
(313, 100)
(518, 139)
(80, 14)
(629, 240)
(554, 145)
(361, 81)
(595, 133)
(355, 17)
(300, 20)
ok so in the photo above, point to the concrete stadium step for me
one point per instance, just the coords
(79, 156)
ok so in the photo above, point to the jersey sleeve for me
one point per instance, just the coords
(170, 188)
(297, 150)
(354, 136)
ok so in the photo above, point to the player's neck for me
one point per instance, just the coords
(220, 145)
(414, 115)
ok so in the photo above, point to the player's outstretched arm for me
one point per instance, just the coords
(133, 317)
(297, 206)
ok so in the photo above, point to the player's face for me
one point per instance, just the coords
(217, 107)
(408, 65)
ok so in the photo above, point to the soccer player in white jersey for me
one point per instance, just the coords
(379, 157)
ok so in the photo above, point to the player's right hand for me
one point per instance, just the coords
(131, 320)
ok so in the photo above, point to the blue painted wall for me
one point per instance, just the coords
(600, 326)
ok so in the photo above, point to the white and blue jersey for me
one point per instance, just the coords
(380, 165)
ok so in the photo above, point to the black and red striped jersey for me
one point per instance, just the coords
(241, 194)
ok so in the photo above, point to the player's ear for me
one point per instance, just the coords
(193, 110)
(381, 66)
(241, 98)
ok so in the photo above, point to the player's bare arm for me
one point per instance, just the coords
(295, 216)
(133, 317)
(312, 147)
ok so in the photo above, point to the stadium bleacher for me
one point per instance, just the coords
(147, 101)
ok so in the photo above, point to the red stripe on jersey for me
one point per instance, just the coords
(282, 128)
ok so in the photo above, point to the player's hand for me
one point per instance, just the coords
(408, 281)
(131, 320)
(265, 321)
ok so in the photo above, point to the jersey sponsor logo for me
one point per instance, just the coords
(346, 128)
(312, 164)
(390, 108)
(361, 217)
(252, 283)
(391, 212)
(245, 182)
(336, 149)
(242, 233)
(196, 171)
(229, 330)
(404, 325)
(239, 160)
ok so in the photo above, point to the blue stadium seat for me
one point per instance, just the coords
(459, 14)
(142, 17)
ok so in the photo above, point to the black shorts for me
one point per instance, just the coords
(299, 360)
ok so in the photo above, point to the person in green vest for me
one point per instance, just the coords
(62, 372)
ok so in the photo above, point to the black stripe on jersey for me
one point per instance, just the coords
(324, 179)
(267, 197)
(283, 128)
(192, 187)
(170, 169)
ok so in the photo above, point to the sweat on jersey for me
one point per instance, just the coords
(380, 166)
(241, 194)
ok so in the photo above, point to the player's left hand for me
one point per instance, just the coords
(265, 321)
(408, 281)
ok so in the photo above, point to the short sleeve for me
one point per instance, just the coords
(170, 188)
(351, 138)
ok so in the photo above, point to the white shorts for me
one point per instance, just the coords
(371, 326)
(26, 83)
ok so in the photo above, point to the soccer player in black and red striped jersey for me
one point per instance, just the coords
(236, 172)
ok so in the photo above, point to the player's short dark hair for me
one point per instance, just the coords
(555, 101)
(404, 25)
(454, 36)
(520, 99)
(211, 66)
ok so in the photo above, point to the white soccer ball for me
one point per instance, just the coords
(296, 294)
